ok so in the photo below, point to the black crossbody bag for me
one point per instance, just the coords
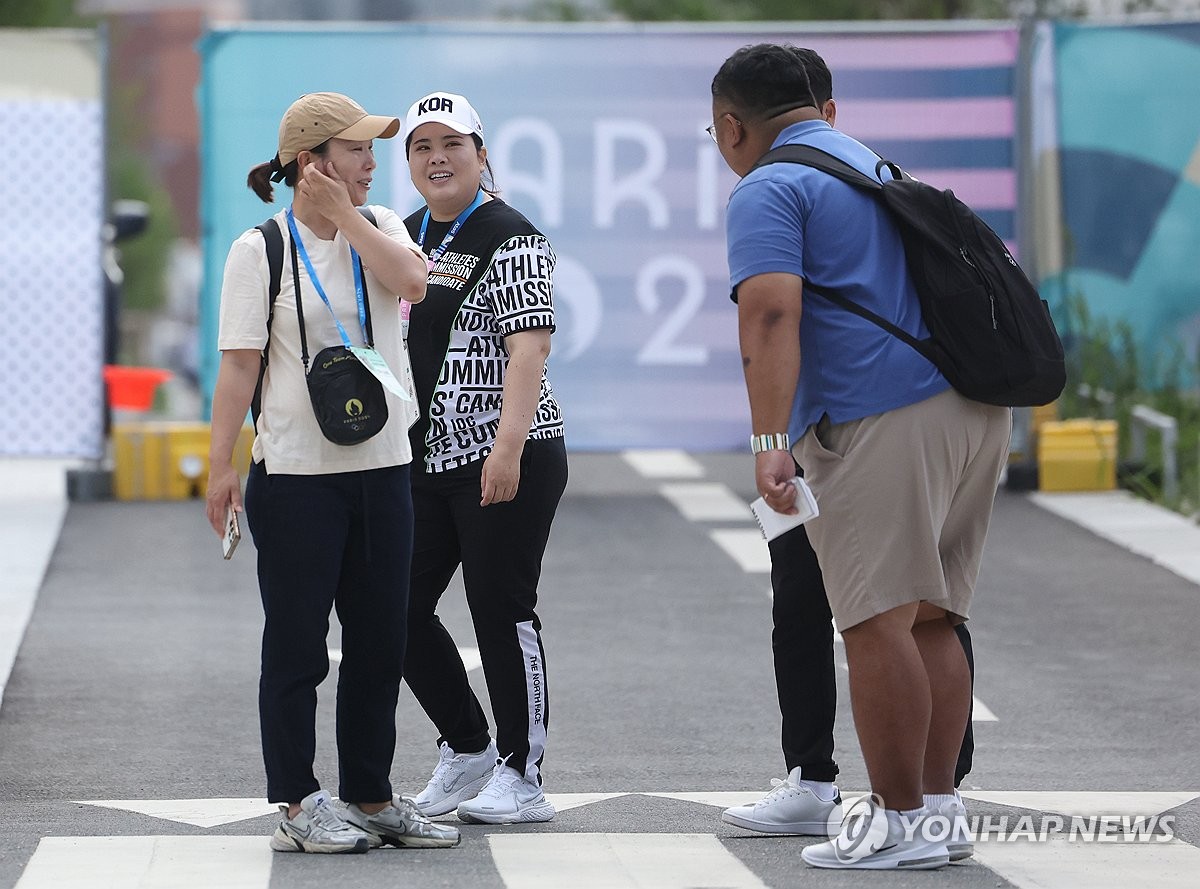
(348, 401)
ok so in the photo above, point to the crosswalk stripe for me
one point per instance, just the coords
(663, 463)
(617, 861)
(564, 801)
(744, 546)
(600, 860)
(1060, 864)
(705, 501)
(156, 862)
(470, 657)
(197, 812)
(1079, 802)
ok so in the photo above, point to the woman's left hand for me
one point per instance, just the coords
(325, 191)
(501, 476)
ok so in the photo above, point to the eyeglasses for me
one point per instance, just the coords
(711, 129)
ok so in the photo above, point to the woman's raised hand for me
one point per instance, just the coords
(327, 193)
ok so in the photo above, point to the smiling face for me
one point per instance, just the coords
(348, 161)
(446, 169)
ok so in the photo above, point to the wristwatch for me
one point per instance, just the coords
(775, 441)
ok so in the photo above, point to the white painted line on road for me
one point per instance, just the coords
(1072, 802)
(980, 712)
(148, 863)
(198, 812)
(470, 657)
(663, 463)
(564, 801)
(617, 861)
(706, 501)
(1161, 535)
(746, 547)
(33, 502)
(722, 799)
(1062, 864)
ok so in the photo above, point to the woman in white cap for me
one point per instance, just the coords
(491, 467)
(327, 499)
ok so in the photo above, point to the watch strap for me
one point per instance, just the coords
(774, 441)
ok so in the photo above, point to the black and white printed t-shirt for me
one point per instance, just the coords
(493, 280)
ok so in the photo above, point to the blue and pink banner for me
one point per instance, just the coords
(597, 134)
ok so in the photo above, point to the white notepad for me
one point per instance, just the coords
(773, 523)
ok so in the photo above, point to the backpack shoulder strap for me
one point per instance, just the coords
(273, 239)
(369, 216)
(819, 160)
(838, 168)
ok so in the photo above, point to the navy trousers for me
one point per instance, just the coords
(343, 541)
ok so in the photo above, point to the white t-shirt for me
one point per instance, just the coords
(289, 438)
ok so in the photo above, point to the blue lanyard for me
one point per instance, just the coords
(316, 282)
(436, 253)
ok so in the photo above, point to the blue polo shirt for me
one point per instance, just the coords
(791, 218)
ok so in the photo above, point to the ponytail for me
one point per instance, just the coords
(260, 177)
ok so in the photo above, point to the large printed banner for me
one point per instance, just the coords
(598, 136)
(1128, 132)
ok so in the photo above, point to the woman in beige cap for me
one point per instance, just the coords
(311, 299)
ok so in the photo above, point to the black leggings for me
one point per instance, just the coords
(500, 549)
(802, 644)
(339, 540)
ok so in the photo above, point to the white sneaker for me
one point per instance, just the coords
(792, 807)
(457, 777)
(872, 838)
(318, 827)
(507, 799)
(960, 843)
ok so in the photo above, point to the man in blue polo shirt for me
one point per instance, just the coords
(904, 468)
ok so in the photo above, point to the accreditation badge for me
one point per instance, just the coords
(373, 361)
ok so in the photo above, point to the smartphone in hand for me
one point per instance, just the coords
(233, 532)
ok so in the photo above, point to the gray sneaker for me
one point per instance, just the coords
(402, 825)
(318, 827)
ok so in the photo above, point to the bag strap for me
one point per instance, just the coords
(273, 239)
(831, 164)
(828, 163)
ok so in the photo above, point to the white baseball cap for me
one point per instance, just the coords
(446, 108)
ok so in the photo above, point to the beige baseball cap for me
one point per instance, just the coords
(316, 117)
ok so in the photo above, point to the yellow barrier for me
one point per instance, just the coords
(167, 460)
(1077, 455)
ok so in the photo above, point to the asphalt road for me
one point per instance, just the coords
(136, 685)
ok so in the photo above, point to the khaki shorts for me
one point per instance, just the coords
(905, 499)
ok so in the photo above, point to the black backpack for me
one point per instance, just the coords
(990, 333)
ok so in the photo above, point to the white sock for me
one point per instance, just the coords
(825, 791)
(934, 801)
